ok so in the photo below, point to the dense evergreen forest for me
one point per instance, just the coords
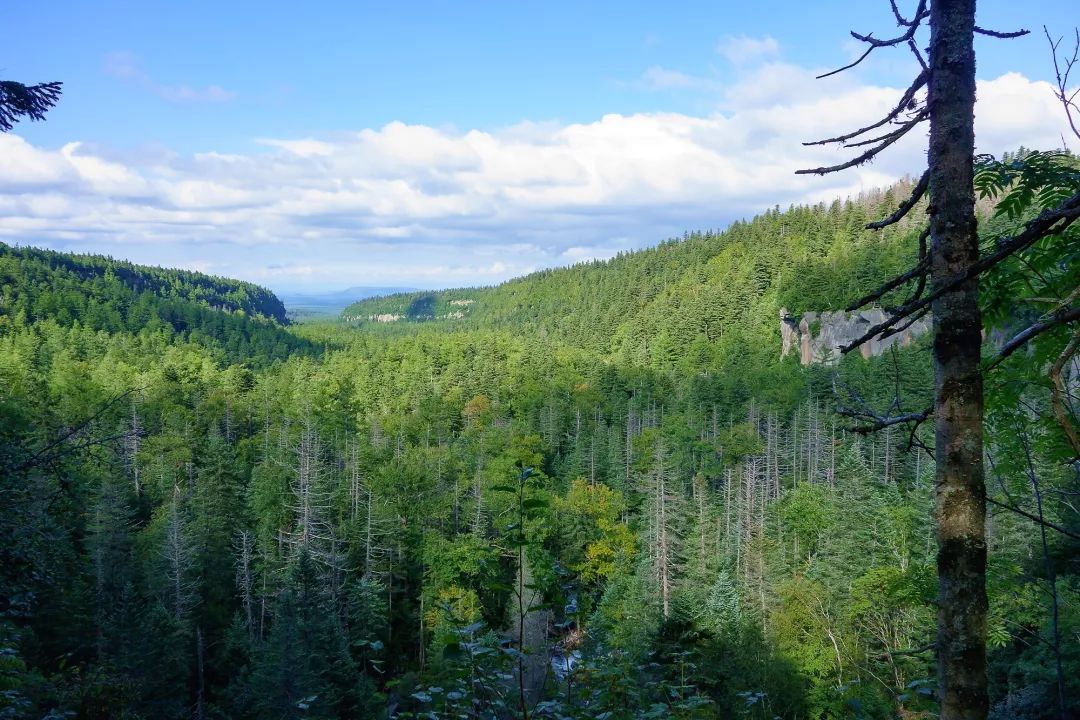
(594, 492)
(683, 289)
(242, 320)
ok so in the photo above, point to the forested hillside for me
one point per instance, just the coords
(599, 492)
(101, 293)
(697, 288)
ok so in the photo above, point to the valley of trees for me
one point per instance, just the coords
(593, 492)
(600, 493)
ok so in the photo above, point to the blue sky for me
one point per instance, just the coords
(440, 143)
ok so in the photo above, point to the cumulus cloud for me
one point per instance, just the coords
(423, 206)
(125, 66)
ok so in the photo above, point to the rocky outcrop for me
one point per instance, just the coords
(818, 337)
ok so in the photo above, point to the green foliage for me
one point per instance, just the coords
(1032, 179)
(241, 320)
(205, 508)
(809, 512)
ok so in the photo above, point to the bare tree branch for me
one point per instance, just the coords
(907, 102)
(921, 269)
(902, 129)
(918, 55)
(1034, 518)
(905, 207)
(923, 257)
(1048, 222)
(1058, 317)
(921, 13)
(46, 454)
(873, 420)
(1067, 100)
(913, 651)
(911, 320)
(1002, 35)
(846, 67)
(881, 422)
(915, 441)
(1058, 391)
(886, 141)
(900, 19)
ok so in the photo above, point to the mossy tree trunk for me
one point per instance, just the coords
(960, 510)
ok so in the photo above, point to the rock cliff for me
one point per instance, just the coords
(818, 337)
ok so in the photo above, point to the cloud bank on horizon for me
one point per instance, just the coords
(410, 204)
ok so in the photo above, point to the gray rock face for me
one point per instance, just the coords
(818, 337)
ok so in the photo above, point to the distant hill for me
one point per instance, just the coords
(243, 320)
(300, 306)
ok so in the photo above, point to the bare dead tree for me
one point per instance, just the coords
(132, 441)
(200, 672)
(75, 438)
(869, 420)
(479, 524)
(1051, 576)
(664, 538)
(310, 505)
(179, 554)
(245, 578)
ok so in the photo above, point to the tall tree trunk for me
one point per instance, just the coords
(245, 580)
(1051, 577)
(960, 510)
(200, 697)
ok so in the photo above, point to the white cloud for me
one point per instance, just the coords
(425, 206)
(743, 50)
(660, 78)
(186, 94)
(23, 166)
(307, 147)
(125, 66)
(102, 176)
(1014, 107)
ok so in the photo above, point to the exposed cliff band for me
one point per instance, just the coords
(818, 337)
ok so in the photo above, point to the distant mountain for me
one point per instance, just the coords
(309, 305)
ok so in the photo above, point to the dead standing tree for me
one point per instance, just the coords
(946, 284)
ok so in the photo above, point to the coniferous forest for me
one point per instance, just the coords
(590, 492)
(697, 480)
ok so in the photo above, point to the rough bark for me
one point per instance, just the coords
(960, 512)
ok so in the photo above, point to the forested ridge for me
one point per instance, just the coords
(242, 319)
(806, 258)
(598, 493)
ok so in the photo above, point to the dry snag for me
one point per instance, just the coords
(946, 284)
